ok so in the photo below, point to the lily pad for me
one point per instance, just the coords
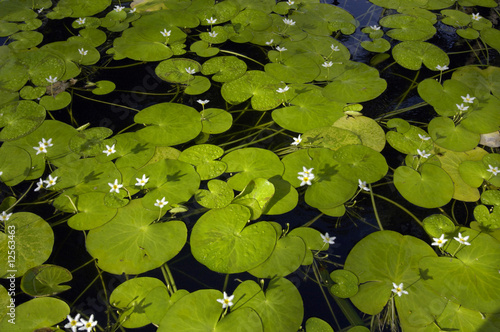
(103, 87)
(170, 124)
(378, 45)
(456, 138)
(90, 142)
(217, 196)
(34, 240)
(408, 27)
(443, 98)
(368, 130)
(299, 68)
(92, 211)
(313, 240)
(82, 8)
(224, 68)
(480, 81)
(437, 224)
(255, 196)
(215, 120)
(19, 119)
(222, 241)
(45, 280)
(329, 137)
(430, 188)
(346, 283)
(15, 164)
(56, 102)
(315, 324)
(25, 39)
(177, 70)
(411, 55)
(285, 197)
(140, 245)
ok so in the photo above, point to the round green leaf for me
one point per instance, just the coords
(56, 102)
(218, 196)
(255, 196)
(198, 85)
(89, 142)
(82, 8)
(15, 164)
(468, 33)
(92, 211)
(430, 188)
(177, 70)
(45, 280)
(222, 241)
(456, 138)
(140, 245)
(224, 68)
(368, 130)
(491, 37)
(103, 87)
(170, 124)
(408, 27)
(34, 240)
(215, 120)
(25, 39)
(314, 324)
(378, 45)
(360, 162)
(29, 92)
(411, 55)
(346, 283)
(130, 298)
(443, 98)
(19, 119)
(161, 301)
(285, 197)
(313, 240)
(299, 68)
(331, 137)
(437, 224)
(251, 163)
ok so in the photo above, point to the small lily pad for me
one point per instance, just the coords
(408, 27)
(177, 70)
(56, 102)
(437, 224)
(103, 87)
(218, 196)
(20, 118)
(313, 240)
(224, 68)
(255, 196)
(90, 142)
(45, 280)
(411, 55)
(456, 138)
(215, 120)
(346, 283)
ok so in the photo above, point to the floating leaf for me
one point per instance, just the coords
(437, 224)
(215, 120)
(313, 240)
(19, 119)
(56, 102)
(444, 98)
(329, 137)
(314, 324)
(45, 280)
(81, 8)
(25, 39)
(224, 68)
(170, 124)
(430, 188)
(90, 142)
(408, 27)
(218, 196)
(222, 241)
(92, 211)
(378, 45)
(299, 68)
(103, 87)
(481, 82)
(177, 70)
(456, 138)
(346, 283)
(368, 130)
(34, 240)
(138, 245)
(285, 197)
(15, 164)
(255, 196)
(491, 37)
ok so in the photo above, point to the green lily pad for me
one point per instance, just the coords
(481, 82)
(204, 49)
(406, 138)
(299, 68)
(170, 124)
(329, 137)
(90, 35)
(103, 87)
(485, 118)
(430, 188)
(202, 157)
(455, 18)
(485, 218)
(378, 45)
(25, 39)
(15, 164)
(309, 109)
(215, 120)
(358, 83)
(360, 162)
(251, 163)
(411, 55)
(255, 196)
(458, 317)
(92, 211)
(280, 307)
(258, 85)
(142, 245)
(456, 138)
(491, 37)
(346, 283)
(222, 241)
(323, 19)
(368, 130)
(468, 33)
(160, 301)
(217, 196)
(41, 65)
(45, 280)
(444, 98)
(90, 142)
(56, 102)
(36, 314)
(177, 70)
(19, 119)
(132, 151)
(198, 85)
(329, 188)
(29, 92)
(285, 197)
(437, 224)
(408, 27)
(34, 240)
(313, 240)
(450, 277)
(224, 68)
(82, 8)
(401, 255)
(130, 297)
(315, 324)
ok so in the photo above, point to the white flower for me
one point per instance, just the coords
(289, 2)
(133, 10)
(334, 48)
(476, 17)
(118, 8)
(82, 51)
(51, 181)
(1, 173)
(442, 68)
(288, 21)
(423, 154)
(73, 323)
(280, 49)
(51, 80)
(398, 289)
(190, 71)
(161, 203)
(468, 99)
(269, 42)
(213, 34)
(375, 27)
(462, 107)
(439, 241)
(226, 301)
(80, 21)
(211, 20)
(306, 179)
(39, 185)
(306, 172)
(88, 325)
(166, 33)
(46, 143)
(142, 182)
(362, 185)
(115, 187)
(4, 216)
(327, 64)
(109, 150)
(202, 102)
(39, 10)
(327, 239)
(490, 169)
(40, 149)
(423, 137)
(462, 240)
(297, 140)
(281, 90)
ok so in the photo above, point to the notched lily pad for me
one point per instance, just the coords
(45, 280)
